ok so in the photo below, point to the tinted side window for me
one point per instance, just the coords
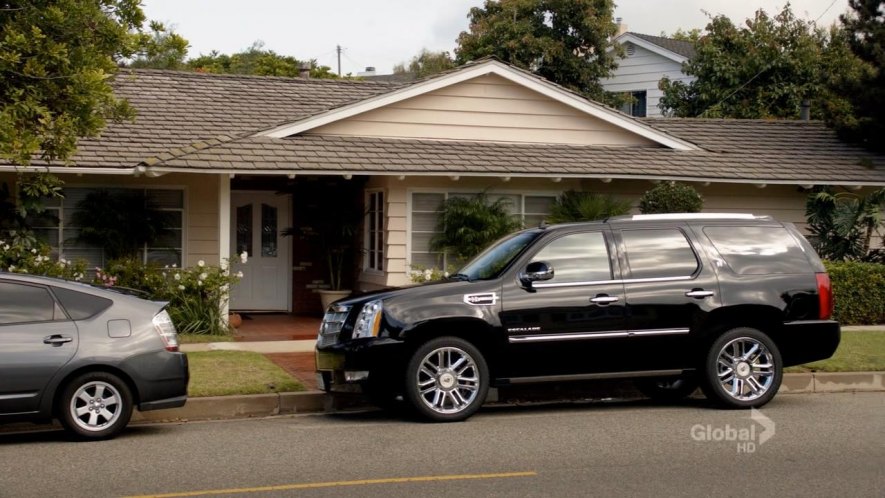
(659, 253)
(758, 250)
(80, 305)
(25, 303)
(578, 257)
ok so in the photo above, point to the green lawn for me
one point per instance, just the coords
(224, 373)
(858, 352)
(201, 338)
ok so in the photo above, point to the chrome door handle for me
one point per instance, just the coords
(56, 340)
(604, 299)
(699, 293)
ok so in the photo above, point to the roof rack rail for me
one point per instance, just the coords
(698, 216)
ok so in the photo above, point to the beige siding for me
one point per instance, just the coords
(485, 108)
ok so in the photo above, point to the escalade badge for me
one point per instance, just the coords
(481, 299)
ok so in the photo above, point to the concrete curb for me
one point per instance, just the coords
(265, 405)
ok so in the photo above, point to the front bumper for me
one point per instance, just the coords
(348, 367)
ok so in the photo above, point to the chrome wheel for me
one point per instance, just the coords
(745, 368)
(448, 380)
(96, 406)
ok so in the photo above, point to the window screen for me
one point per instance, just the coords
(758, 250)
(659, 253)
(578, 257)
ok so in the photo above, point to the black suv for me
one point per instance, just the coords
(721, 300)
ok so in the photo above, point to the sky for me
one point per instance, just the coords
(383, 33)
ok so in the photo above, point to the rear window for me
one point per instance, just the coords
(758, 250)
(80, 305)
(657, 253)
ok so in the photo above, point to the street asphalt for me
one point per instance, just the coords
(808, 445)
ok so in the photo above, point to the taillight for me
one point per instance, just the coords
(824, 296)
(164, 326)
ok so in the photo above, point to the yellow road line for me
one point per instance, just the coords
(332, 484)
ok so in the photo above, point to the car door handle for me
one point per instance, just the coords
(603, 299)
(699, 293)
(57, 340)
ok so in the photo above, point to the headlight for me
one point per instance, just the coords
(368, 323)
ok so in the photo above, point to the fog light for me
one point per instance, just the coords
(356, 375)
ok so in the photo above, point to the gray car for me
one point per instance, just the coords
(84, 355)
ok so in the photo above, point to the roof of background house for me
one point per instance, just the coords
(205, 122)
(683, 48)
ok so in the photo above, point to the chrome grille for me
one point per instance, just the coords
(333, 322)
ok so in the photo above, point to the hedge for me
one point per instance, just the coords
(859, 292)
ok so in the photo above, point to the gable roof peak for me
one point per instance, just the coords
(681, 48)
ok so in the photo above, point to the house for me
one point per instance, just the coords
(647, 59)
(238, 159)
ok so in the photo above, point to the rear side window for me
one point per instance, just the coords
(758, 250)
(27, 303)
(577, 257)
(659, 253)
(80, 305)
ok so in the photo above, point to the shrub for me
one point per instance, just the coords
(421, 274)
(671, 197)
(468, 225)
(33, 257)
(859, 292)
(586, 206)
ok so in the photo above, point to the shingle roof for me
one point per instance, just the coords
(683, 48)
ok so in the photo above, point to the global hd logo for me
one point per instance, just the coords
(746, 439)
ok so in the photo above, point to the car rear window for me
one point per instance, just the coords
(758, 250)
(80, 305)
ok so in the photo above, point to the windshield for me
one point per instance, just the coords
(491, 262)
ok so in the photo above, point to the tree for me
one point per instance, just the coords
(426, 63)
(689, 35)
(572, 205)
(259, 61)
(467, 225)
(842, 224)
(160, 49)
(56, 60)
(762, 70)
(865, 33)
(564, 41)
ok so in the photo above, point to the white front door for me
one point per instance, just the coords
(257, 223)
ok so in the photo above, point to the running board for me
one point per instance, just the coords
(592, 376)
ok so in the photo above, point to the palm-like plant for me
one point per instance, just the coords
(572, 206)
(842, 224)
(121, 223)
(468, 225)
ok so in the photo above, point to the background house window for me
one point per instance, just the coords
(637, 107)
(530, 210)
(60, 232)
(375, 231)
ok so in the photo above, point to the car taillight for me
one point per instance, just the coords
(164, 326)
(825, 296)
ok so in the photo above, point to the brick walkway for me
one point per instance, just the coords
(277, 327)
(299, 365)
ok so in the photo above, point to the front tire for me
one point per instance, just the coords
(96, 405)
(447, 380)
(743, 369)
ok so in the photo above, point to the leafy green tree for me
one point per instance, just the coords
(671, 197)
(56, 60)
(572, 205)
(426, 63)
(865, 33)
(764, 69)
(467, 225)
(258, 61)
(842, 224)
(160, 49)
(564, 41)
(689, 35)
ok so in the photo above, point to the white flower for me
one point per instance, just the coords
(180, 287)
(199, 282)
(239, 274)
(446, 274)
(204, 276)
(244, 256)
(224, 288)
(33, 251)
(11, 269)
(201, 263)
(223, 264)
(6, 247)
(177, 276)
(174, 265)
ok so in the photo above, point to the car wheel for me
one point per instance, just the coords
(743, 369)
(96, 405)
(447, 380)
(668, 389)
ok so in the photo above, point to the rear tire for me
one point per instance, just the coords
(743, 369)
(95, 405)
(447, 380)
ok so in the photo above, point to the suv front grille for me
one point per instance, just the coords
(333, 322)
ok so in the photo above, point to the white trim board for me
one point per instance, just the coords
(651, 47)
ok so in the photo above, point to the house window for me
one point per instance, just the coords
(637, 106)
(60, 232)
(375, 231)
(530, 210)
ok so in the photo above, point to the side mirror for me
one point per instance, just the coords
(536, 271)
